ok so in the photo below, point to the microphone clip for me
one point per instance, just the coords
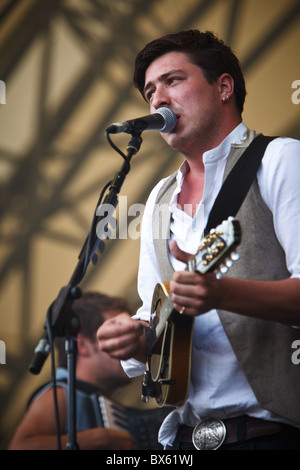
(135, 143)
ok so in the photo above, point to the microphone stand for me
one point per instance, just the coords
(61, 320)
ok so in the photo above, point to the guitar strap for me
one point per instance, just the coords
(238, 182)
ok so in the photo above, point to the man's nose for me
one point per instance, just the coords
(160, 98)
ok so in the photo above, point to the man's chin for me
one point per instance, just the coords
(177, 142)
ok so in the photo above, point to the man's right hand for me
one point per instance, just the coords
(123, 338)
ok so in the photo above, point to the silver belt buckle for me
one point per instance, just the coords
(209, 434)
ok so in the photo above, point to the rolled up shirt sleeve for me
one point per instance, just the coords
(278, 179)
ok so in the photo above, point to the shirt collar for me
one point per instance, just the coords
(235, 137)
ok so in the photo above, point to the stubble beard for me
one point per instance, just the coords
(199, 139)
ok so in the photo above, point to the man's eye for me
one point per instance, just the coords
(172, 80)
(149, 95)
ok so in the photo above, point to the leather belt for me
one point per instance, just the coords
(211, 433)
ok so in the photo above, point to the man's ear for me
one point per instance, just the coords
(226, 86)
(83, 345)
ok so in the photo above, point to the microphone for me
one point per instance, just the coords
(164, 120)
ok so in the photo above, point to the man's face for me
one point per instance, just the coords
(172, 80)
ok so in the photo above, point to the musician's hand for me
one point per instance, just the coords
(178, 253)
(195, 292)
(122, 337)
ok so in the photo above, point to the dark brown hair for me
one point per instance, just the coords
(90, 308)
(204, 49)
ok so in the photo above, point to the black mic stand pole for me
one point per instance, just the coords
(61, 320)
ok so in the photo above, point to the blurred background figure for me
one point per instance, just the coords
(98, 376)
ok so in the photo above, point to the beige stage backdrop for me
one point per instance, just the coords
(66, 74)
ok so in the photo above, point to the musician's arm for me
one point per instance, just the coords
(123, 337)
(269, 300)
(37, 430)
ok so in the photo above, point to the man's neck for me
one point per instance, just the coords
(194, 156)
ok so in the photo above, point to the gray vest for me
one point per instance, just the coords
(263, 348)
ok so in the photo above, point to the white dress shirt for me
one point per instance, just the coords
(218, 386)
